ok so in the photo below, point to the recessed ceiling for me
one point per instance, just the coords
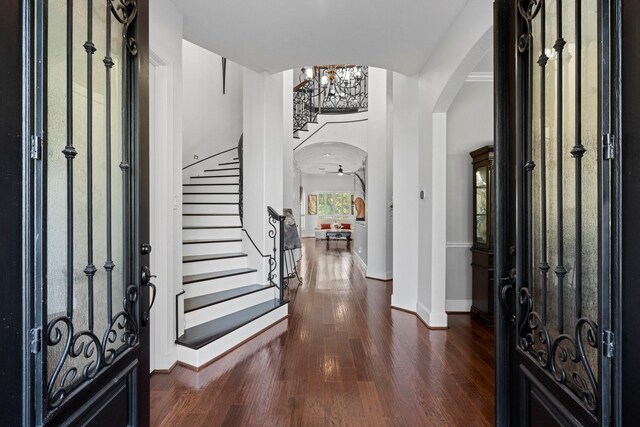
(313, 159)
(274, 36)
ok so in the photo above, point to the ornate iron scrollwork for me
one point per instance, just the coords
(126, 12)
(273, 263)
(90, 353)
(564, 357)
(528, 9)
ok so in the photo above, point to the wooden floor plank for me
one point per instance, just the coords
(344, 357)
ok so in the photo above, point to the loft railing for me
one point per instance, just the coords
(276, 259)
(329, 89)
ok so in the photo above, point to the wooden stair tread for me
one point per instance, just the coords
(218, 194)
(210, 227)
(215, 176)
(194, 278)
(214, 214)
(228, 163)
(204, 185)
(196, 303)
(211, 257)
(222, 169)
(205, 333)
(203, 241)
(210, 203)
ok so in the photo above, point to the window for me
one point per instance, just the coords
(334, 204)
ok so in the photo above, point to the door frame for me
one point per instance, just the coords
(625, 204)
(17, 406)
(15, 89)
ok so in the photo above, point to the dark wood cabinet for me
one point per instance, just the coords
(482, 249)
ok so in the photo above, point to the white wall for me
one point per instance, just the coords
(165, 39)
(263, 157)
(469, 126)
(314, 184)
(212, 121)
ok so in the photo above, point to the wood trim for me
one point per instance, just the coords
(164, 371)
(433, 328)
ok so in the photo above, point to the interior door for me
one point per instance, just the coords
(89, 340)
(555, 323)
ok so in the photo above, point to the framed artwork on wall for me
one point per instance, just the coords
(312, 204)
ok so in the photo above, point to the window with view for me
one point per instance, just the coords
(334, 203)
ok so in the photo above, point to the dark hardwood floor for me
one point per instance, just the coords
(342, 358)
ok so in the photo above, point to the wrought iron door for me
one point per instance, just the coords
(88, 319)
(562, 279)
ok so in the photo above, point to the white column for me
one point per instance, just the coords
(380, 135)
(405, 193)
(262, 158)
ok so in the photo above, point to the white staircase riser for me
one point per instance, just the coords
(223, 284)
(230, 188)
(208, 209)
(216, 180)
(199, 267)
(212, 312)
(212, 233)
(216, 198)
(216, 171)
(197, 358)
(211, 248)
(210, 220)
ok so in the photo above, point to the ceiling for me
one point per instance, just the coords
(327, 156)
(274, 36)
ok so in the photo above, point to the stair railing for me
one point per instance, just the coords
(241, 182)
(303, 109)
(277, 260)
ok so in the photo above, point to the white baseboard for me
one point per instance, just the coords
(360, 262)
(403, 304)
(459, 305)
(433, 320)
(379, 275)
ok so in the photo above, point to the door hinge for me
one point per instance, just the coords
(36, 340)
(608, 146)
(36, 147)
(608, 344)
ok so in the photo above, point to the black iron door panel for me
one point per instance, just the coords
(563, 214)
(86, 163)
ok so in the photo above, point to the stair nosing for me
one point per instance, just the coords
(215, 176)
(217, 194)
(202, 185)
(236, 272)
(207, 241)
(276, 305)
(210, 227)
(210, 214)
(210, 203)
(214, 257)
(222, 169)
(225, 299)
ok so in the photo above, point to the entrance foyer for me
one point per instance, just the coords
(343, 357)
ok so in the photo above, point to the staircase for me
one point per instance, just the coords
(225, 302)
